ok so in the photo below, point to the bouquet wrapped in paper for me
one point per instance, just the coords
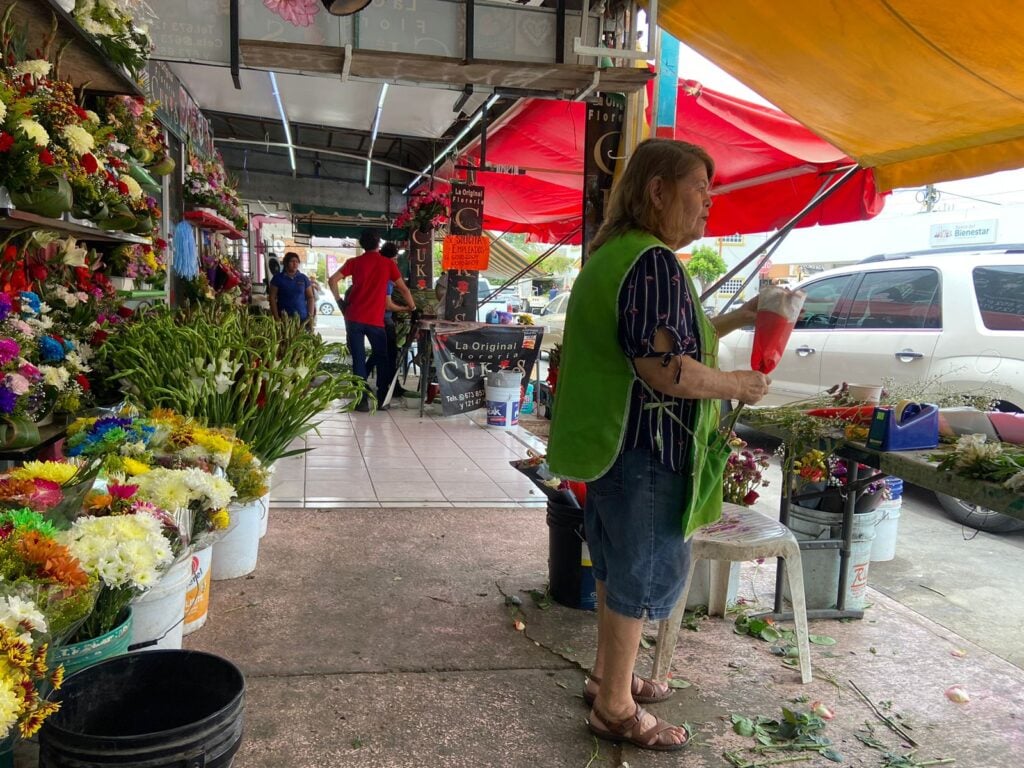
(777, 312)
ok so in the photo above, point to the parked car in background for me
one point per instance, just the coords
(552, 317)
(957, 315)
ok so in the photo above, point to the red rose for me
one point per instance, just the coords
(83, 382)
(98, 338)
(82, 114)
(89, 163)
(122, 187)
(125, 312)
(10, 253)
(45, 157)
(6, 141)
(750, 498)
(38, 272)
(462, 286)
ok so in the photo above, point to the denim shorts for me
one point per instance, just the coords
(634, 528)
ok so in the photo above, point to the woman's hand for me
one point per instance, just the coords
(751, 386)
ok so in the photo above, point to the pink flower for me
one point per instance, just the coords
(22, 327)
(299, 13)
(29, 371)
(19, 384)
(9, 349)
(122, 491)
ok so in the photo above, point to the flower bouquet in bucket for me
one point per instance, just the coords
(54, 488)
(196, 499)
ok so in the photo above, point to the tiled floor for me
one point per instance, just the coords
(396, 459)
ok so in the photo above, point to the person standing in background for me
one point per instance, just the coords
(364, 309)
(291, 292)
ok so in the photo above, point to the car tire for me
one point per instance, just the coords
(327, 308)
(980, 518)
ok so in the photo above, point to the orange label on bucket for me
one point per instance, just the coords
(197, 598)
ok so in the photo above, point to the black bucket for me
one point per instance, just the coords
(180, 709)
(570, 577)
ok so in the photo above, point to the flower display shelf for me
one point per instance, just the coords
(207, 220)
(11, 218)
(83, 61)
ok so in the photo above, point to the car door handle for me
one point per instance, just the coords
(805, 351)
(906, 355)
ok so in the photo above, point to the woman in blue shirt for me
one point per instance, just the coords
(291, 293)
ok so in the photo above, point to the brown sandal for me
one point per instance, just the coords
(627, 730)
(648, 692)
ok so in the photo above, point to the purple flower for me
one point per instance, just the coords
(7, 400)
(5, 306)
(9, 349)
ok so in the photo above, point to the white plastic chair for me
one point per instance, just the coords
(741, 535)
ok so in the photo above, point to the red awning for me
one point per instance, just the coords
(768, 167)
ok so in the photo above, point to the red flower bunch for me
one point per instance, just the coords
(427, 208)
(744, 474)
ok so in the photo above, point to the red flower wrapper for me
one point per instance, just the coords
(777, 312)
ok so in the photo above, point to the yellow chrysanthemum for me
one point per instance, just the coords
(213, 442)
(134, 467)
(55, 471)
(10, 706)
(134, 190)
(220, 519)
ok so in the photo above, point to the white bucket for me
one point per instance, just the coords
(699, 592)
(159, 613)
(197, 596)
(264, 502)
(502, 406)
(883, 548)
(235, 555)
(821, 566)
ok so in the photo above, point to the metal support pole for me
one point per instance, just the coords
(470, 29)
(559, 31)
(233, 32)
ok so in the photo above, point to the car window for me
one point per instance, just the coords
(556, 305)
(821, 307)
(1000, 292)
(904, 299)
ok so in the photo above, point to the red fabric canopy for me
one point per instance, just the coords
(768, 167)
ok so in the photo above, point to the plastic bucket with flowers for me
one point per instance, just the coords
(236, 554)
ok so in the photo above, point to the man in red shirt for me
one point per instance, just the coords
(364, 311)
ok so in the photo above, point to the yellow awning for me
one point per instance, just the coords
(921, 90)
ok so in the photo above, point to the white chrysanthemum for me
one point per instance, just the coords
(94, 27)
(3, 110)
(86, 351)
(79, 140)
(54, 377)
(134, 190)
(34, 131)
(35, 67)
(15, 610)
(74, 360)
(122, 551)
(92, 117)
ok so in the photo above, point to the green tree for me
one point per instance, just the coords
(705, 265)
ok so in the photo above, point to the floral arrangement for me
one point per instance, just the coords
(119, 443)
(127, 554)
(117, 499)
(23, 707)
(139, 261)
(744, 474)
(207, 186)
(134, 124)
(35, 566)
(122, 40)
(197, 500)
(53, 487)
(425, 209)
(818, 472)
(973, 456)
(247, 474)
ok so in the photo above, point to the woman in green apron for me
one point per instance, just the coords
(637, 418)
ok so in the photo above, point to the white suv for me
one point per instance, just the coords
(957, 314)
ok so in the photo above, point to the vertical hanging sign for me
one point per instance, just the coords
(421, 258)
(668, 86)
(601, 146)
(467, 218)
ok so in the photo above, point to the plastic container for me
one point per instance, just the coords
(883, 547)
(502, 396)
(148, 710)
(78, 656)
(954, 422)
(570, 572)
(895, 486)
(527, 406)
(197, 597)
(236, 554)
(158, 615)
(1010, 426)
(864, 393)
(821, 566)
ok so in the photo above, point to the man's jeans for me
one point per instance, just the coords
(357, 334)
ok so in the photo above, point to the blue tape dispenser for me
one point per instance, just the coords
(907, 427)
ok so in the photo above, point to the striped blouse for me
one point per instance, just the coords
(654, 295)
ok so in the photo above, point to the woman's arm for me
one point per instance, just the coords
(272, 298)
(688, 378)
(738, 318)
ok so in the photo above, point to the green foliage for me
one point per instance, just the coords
(706, 264)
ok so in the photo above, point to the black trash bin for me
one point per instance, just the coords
(570, 576)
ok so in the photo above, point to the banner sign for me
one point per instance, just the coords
(466, 252)
(963, 233)
(601, 146)
(463, 358)
(668, 86)
(178, 111)
(421, 259)
(467, 218)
